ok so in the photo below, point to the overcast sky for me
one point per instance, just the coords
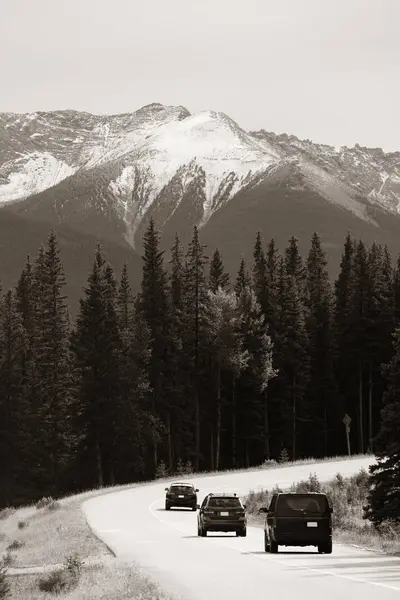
(318, 69)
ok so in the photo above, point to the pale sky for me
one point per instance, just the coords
(324, 70)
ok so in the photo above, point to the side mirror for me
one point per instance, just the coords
(198, 506)
(244, 506)
(197, 490)
(263, 510)
(166, 489)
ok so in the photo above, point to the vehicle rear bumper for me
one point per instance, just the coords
(223, 526)
(183, 502)
(289, 540)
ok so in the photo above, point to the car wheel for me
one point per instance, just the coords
(167, 506)
(267, 547)
(203, 532)
(274, 547)
(325, 548)
(198, 530)
(243, 533)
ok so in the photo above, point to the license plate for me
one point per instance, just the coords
(224, 514)
(181, 496)
(312, 524)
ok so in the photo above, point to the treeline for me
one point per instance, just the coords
(195, 368)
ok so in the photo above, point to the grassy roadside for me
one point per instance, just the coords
(347, 495)
(55, 537)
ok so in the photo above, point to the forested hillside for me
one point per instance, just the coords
(196, 368)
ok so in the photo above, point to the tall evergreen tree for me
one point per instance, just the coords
(356, 338)
(260, 276)
(95, 350)
(396, 290)
(52, 365)
(154, 307)
(14, 443)
(294, 264)
(293, 358)
(180, 428)
(253, 404)
(384, 500)
(342, 350)
(218, 277)
(138, 428)
(24, 295)
(195, 299)
(124, 302)
(322, 392)
(243, 279)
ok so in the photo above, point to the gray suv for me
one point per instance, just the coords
(183, 495)
(222, 512)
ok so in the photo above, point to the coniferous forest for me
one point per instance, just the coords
(197, 367)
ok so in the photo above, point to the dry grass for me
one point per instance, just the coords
(50, 536)
(347, 496)
(97, 583)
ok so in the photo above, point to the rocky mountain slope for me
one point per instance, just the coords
(105, 176)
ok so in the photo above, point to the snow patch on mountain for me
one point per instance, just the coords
(30, 174)
(209, 140)
(333, 190)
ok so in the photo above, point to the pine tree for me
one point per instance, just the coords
(342, 350)
(14, 445)
(243, 279)
(322, 392)
(114, 370)
(396, 290)
(293, 358)
(124, 302)
(51, 361)
(154, 307)
(260, 276)
(383, 500)
(24, 296)
(254, 405)
(356, 337)
(272, 261)
(180, 424)
(95, 348)
(218, 277)
(195, 299)
(294, 264)
(379, 328)
(138, 427)
(177, 272)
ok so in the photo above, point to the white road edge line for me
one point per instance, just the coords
(302, 567)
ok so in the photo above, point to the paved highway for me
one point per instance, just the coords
(134, 524)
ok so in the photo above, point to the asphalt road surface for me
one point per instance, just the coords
(135, 526)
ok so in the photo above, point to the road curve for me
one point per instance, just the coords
(135, 526)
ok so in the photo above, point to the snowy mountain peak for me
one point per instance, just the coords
(164, 159)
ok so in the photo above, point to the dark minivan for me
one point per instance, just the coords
(298, 520)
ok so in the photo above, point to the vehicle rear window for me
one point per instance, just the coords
(181, 489)
(224, 503)
(299, 504)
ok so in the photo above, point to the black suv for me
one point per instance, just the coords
(221, 512)
(298, 520)
(182, 495)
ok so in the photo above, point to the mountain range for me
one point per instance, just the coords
(100, 178)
